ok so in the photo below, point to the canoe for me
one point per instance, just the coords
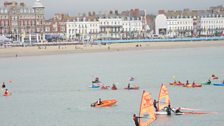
(132, 88)
(218, 84)
(105, 103)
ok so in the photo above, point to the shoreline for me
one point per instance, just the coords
(70, 49)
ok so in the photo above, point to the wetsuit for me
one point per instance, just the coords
(168, 110)
(154, 104)
(135, 118)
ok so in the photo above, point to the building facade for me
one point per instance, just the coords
(18, 20)
(189, 23)
(103, 28)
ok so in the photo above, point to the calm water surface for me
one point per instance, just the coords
(53, 90)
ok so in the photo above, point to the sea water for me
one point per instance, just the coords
(53, 90)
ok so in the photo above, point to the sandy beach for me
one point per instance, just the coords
(67, 49)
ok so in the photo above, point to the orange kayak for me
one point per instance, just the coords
(192, 85)
(105, 103)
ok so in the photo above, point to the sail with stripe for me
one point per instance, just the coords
(147, 112)
(164, 99)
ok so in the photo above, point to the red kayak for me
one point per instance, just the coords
(105, 87)
(8, 94)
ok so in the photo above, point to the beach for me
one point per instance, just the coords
(68, 49)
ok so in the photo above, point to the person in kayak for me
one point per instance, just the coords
(96, 80)
(209, 81)
(114, 87)
(6, 92)
(187, 82)
(129, 85)
(135, 118)
(3, 85)
(99, 102)
(193, 84)
(155, 106)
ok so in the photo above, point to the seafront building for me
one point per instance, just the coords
(189, 23)
(21, 22)
(104, 27)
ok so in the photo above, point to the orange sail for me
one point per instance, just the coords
(147, 111)
(164, 99)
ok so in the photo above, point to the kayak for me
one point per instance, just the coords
(192, 86)
(205, 83)
(105, 87)
(7, 94)
(132, 88)
(94, 86)
(218, 84)
(113, 88)
(214, 78)
(105, 103)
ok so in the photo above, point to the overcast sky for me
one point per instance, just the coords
(73, 7)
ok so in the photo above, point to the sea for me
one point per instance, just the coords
(53, 90)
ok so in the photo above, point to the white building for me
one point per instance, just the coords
(103, 28)
(82, 29)
(188, 25)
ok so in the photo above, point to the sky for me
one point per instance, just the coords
(74, 7)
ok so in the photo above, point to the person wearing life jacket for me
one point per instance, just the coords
(209, 81)
(96, 80)
(135, 118)
(155, 106)
(193, 84)
(114, 87)
(129, 85)
(187, 83)
(99, 102)
(6, 92)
